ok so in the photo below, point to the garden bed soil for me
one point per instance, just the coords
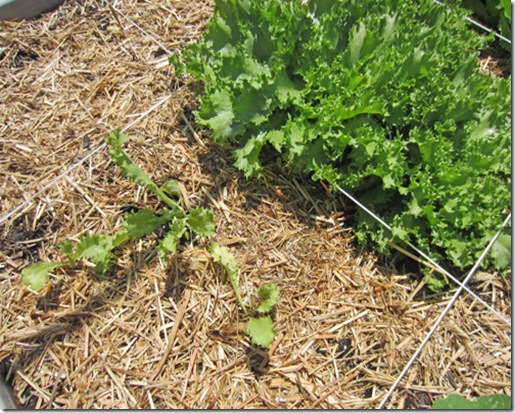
(347, 321)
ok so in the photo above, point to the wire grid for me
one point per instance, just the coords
(462, 285)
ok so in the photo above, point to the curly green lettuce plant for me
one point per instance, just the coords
(382, 98)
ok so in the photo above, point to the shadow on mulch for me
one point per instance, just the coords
(305, 199)
(21, 239)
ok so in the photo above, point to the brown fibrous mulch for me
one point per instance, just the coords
(171, 335)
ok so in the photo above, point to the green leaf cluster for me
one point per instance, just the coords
(99, 248)
(382, 98)
(260, 327)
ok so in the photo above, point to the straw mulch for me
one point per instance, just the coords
(170, 336)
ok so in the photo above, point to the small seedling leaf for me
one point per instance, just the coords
(261, 331)
(131, 170)
(201, 221)
(94, 246)
(169, 242)
(119, 238)
(171, 188)
(35, 276)
(66, 248)
(223, 256)
(98, 248)
(128, 168)
(268, 295)
(145, 222)
(488, 402)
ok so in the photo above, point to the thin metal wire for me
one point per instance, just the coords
(443, 314)
(480, 25)
(462, 285)
(373, 215)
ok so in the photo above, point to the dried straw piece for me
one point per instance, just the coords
(171, 339)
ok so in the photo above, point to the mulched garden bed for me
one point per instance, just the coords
(347, 320)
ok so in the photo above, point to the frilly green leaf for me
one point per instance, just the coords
(98, 248)
(171, 239)
(201, 221)
(222, 255)
(145, 222)
(268, 295)
(131, 170)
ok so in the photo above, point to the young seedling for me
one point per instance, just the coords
(260, 327)
(99, 248)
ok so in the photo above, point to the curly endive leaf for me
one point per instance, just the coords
(201, 221)
(127, 166)
(501, 250)
(98, 248)
(145, 222)
(381, 98)
(67, 249)
(171, 239)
